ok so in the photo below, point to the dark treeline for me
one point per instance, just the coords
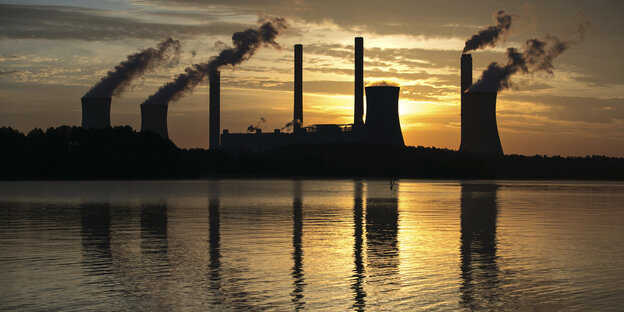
(121, 153)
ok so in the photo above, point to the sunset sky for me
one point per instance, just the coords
(52, 52)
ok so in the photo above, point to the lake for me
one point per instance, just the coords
(333, 245)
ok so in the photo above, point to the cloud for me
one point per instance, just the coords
(361, 16)
(63, 22)
(570, 108)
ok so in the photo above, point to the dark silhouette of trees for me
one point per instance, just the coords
(122, 153)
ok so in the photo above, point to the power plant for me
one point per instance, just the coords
(381, 126)
(479, 132)
(96, 112)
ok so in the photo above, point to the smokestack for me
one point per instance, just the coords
(466, 82)
(96, 112)
(466, 72)
(154, 118)
(358, 110)
(215, 109)
(479, 132)
(298, 110)
(382, 115)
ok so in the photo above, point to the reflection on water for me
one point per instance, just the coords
(96, 238)
(297, 255)
(358, 272)
(214, 238)
(348, 245)
(479, 270)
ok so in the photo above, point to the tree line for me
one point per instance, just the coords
(121, 153)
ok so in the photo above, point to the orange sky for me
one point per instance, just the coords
(51, 55)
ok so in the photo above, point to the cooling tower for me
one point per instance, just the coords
(479, 132)
(215, 110)
(154, 118)
(298, 109)
(96, 112)
(358, 109)
(382, 116)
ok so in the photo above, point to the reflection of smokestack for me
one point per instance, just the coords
(96, 112)
(298, 111)
(154, 118)
(215, 109)
(382, 115)
(358, 110)
(479, 132)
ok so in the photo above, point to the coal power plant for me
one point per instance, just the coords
(381, 125)
(96, 112)
(479, 132)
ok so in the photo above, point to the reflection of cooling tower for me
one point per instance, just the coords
(382, 116)
(479, 268)
(215, 110)
(479, 133)
(96, 112)
(154, 118)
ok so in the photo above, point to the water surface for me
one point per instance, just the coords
(330, 245)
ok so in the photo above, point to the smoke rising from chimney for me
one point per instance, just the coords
(255, 127)
(384, 83)
(291, 124)
(538, 56)
(246, 43)
(489, 36)
(117, 81)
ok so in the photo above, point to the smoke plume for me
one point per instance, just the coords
(246, 43)
(490, 35)
(291, 124)
(384, 83)
(117, 81)
(538, 56)
(255, 127)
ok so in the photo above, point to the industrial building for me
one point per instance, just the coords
(479, 132)
(381, 126)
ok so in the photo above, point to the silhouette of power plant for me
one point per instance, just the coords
(479, 133)
(382, 124)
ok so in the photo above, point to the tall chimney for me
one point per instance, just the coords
(465, 83)
(298, 109)
(215, 109)
(154, 118)
(358, 110)
(466, 72)
(96, 112)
